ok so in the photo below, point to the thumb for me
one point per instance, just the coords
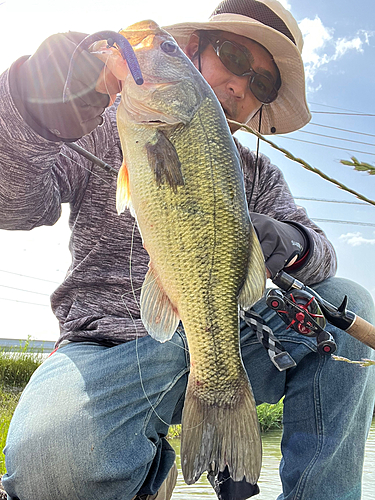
(107, 83)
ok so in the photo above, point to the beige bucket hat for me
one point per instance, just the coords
(270, 24)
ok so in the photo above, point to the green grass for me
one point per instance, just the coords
(8, 403)
(16, 368)
(270, 418)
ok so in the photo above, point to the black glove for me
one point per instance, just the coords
(280, 241)
(227, 489)
(37, 85)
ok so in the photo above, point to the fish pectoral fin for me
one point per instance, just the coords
(255, 282)
(164, 162)
(123, 199)
(158, 315)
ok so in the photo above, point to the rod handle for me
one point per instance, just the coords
(363, 331)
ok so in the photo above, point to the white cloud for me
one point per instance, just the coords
(342, 45)
(285, 4)
(356, 239)
(321, 47)
(316, 37)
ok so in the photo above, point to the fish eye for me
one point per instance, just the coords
(169, 47)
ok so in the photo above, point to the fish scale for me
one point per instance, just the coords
(183, 172)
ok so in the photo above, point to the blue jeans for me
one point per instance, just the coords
(91, 424)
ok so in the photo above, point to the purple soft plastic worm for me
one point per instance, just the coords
(112, 37)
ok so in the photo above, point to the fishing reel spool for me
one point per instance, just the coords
(301, 311)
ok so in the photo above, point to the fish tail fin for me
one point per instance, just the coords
(123, 189)
(215, 436)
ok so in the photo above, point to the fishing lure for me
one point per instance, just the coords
(112, 38)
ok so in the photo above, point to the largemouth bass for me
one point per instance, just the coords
(182, 178)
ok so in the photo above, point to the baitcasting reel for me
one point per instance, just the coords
(300, 310)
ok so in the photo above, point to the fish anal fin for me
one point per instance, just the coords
(164, 162)
(123, 199)
(215, 437)
(255, 281)
(158, 315)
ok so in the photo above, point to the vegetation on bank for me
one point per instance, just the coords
(17, 367)
(270, 417)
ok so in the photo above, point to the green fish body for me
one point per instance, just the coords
(182, 178)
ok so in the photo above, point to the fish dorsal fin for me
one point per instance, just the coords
(164, 162)
(255, 282)
(123, 189)
(158, 315)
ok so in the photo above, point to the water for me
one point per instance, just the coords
(269, 481)
(369, 467)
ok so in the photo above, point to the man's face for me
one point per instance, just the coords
(233, 92)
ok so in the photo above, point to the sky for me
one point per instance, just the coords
(339, 55)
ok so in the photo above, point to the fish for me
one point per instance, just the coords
(181, 177)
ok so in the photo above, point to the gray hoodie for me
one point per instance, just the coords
(98, 299)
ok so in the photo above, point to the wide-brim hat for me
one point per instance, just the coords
(270, 24)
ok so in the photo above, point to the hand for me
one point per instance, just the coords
(282, 243)
(40, 82)
(227, 489)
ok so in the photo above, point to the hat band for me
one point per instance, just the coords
(255, 10)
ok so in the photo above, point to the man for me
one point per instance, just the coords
(91, 422)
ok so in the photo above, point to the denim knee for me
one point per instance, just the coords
(91, 422)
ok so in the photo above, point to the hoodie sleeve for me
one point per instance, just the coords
(271, 196)
(38, 175)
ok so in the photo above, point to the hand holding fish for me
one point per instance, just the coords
(40, 82)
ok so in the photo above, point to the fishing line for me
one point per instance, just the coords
(130, 265)
(105, 76)
(256, 158)
(70, 272)
(137, 289)
(140, 288)
(135, 326)
(136, 330)
(139, 365)
(85, 168)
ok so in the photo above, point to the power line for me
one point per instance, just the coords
(336, 138)
(32, 277)
(23, 302)
(342, 129)
(23, 290)
(335, 107)
(326, 145)
(331, 201)
(369, 224)
(346, 114)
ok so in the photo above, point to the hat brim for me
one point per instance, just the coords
(289, 112)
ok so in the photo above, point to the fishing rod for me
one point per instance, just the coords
(89, 156)
(304, 310)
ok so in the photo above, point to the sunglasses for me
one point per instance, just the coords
(237, 62)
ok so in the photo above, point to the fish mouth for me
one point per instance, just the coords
(157, 123)
(151, 117)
